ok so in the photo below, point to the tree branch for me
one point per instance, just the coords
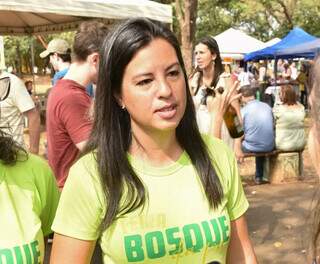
(180, 14)
(286, 12)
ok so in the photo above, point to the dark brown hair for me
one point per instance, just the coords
(247, 91)
(88, 39)
(10, 151)
(288, 95)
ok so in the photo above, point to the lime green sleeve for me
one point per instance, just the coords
(50, 205)
(80, 210)
(237, 201)
(47, 191)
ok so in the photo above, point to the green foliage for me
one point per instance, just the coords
(263, 19)
(213, 18)
(17, 51)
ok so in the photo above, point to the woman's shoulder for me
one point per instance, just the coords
(225, 75)
(223, 159)
(216, 147)
(87, 161)
(33, 162)
(87, 167)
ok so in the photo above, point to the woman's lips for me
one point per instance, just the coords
(167, 112)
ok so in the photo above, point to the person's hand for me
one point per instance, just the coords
(239, 155)
(238, 149)
(220, 103)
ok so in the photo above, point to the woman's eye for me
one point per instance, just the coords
(144, 82)
(174, 73)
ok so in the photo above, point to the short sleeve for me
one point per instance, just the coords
(75, 117)
(48, 193)
(21, 97)
(50, 204)
(237, 201)
(80, 210)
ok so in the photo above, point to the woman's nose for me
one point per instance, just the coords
(164, 88)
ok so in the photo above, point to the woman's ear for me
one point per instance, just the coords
(119, 101)
(214, 56)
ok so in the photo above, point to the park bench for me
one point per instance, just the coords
(281, 166)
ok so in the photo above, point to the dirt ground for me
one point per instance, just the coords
(279, 216)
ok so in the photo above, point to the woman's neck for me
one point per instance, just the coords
(208, 74)
(158, 148)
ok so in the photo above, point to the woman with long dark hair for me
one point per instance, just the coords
(206, 83)
(150, 188)
(28, 200)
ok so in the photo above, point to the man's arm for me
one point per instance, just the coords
(238, 149)
(34, 129)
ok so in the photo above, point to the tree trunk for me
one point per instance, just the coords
(187, 15)
(18, 60)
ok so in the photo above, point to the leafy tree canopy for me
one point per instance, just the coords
(263, 19)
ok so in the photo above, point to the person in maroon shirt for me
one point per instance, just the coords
(68, 119)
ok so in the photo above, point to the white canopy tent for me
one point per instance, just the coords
(235, 44)
(19, 17)
(271, 42)
(35, 17)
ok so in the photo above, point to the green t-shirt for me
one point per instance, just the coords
(175, 226)
(28, 201)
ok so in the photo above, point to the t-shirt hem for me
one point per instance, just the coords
(77, 235)
(27, 108)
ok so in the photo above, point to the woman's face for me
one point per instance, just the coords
(153, 88)
(203, 56)
(227, 68)
(313, 141)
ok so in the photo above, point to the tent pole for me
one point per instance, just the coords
(32, 63)
(275, 68)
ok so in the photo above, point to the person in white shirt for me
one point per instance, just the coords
(12, 110)
(245, 77)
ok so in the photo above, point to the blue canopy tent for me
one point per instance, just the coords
(306, 50)
(295, 36)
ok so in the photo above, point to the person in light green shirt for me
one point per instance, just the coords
(289, 121)
(150, 188)
(28, 201)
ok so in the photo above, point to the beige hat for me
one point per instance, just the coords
(59, 46)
